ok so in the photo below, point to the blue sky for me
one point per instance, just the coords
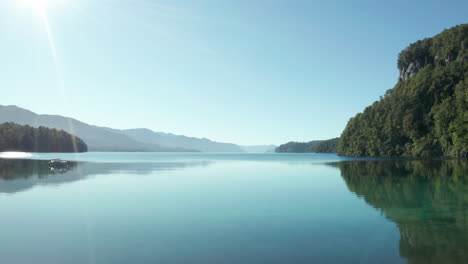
(244, 71)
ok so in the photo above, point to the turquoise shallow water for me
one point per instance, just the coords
(232, 208)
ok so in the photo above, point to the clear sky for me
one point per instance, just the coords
(241, 71)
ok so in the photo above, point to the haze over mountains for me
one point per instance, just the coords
(109, 139)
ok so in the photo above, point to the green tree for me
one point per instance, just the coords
(426, 113)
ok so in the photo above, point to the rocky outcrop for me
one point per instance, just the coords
(408, 72)
(423, 115)
(413, 67)
(449, 46)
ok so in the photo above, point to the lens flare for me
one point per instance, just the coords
(14, 155)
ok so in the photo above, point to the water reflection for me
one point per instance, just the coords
(428, 200)
(19, 175)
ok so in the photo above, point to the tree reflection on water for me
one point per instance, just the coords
(428, 200)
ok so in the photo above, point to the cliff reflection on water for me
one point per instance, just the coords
(428, 200)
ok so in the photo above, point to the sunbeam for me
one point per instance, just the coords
(50, 38)
(39, 4)
(53, 50)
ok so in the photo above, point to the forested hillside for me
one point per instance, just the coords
(109, 139)
(319, 146)
(426, 113)
(14, 137)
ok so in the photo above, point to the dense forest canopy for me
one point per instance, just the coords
(426, 113)
(14, 137)
(325, 146)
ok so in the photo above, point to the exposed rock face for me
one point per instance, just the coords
(449, 46)
(407, 72)
(424, 115)
(410, 71)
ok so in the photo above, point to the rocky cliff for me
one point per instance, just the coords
(426, 113)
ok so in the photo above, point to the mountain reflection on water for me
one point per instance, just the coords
(428, 200)
(19, 175)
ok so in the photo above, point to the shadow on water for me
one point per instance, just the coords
(428, 200)
(20, 175)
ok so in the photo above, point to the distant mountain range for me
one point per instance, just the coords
(109, 139)
(259, 148)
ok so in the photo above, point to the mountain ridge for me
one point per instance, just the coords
(100, 138)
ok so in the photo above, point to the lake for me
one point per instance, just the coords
(232, 208)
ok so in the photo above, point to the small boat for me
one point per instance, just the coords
(58, 162)
(59, 166)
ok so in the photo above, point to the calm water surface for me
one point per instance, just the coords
(232, 208)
